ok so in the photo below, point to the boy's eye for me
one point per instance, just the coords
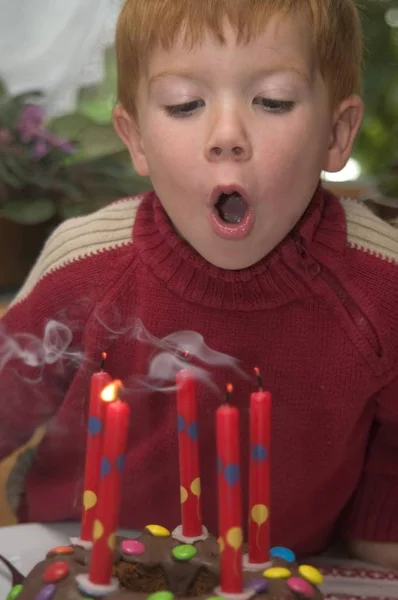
(276, 106)
(184, 110)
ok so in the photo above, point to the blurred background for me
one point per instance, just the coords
(59, 155)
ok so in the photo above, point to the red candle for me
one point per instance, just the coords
(96, 415)
(259, 477)
(229, 498)
(191, 514)
(112, 463)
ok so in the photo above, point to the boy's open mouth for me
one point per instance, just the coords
(231, 207)
(231, 215)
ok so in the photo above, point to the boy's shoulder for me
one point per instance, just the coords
(370, 235)
(81, 243)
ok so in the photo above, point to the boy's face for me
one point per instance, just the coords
(234, 138)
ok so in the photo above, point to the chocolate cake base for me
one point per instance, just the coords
(154, 568)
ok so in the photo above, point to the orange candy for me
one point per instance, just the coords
(60, 550)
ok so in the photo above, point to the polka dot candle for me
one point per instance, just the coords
(111, 471)
(188, 438)
(259, 477)
(96, 415)
(229, 498)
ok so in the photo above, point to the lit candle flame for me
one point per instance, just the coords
(111, 392)
(228, 392)
(103, 360)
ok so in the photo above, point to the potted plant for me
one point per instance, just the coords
(45, 178)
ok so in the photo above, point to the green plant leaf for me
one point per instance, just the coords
(29, 212)
(93, 140)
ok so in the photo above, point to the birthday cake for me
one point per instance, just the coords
(188, 562)
(156, 566)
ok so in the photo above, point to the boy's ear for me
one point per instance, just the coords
(347, 119)
(128, 130)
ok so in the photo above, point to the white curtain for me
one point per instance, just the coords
(56, 46)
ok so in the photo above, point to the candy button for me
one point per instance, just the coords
(14, 593)
(311, 574)
(133, 548)
(184, 552)
(282, 552)
(259, 585)
(301, 586)
(55, 572)
(60, 550)
(277, 573)
(158, 531)
(46, 593)
(163, 595)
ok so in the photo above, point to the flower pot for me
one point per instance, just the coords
(20, 246)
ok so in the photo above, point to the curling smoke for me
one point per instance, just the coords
(35, 352)
(169, 359)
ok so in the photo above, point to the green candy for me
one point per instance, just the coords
(184, 552)
(163, 595)
(14, 593)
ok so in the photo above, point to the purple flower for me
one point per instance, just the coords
(30, 129)
(32, 116)
(41, 149)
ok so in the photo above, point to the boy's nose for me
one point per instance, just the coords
(228, 139)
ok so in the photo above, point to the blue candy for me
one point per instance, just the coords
(282, 552)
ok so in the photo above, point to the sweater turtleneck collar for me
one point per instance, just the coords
(279, 278)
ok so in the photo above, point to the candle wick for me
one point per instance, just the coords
(186, 356)
(260, 382)
(103, 361)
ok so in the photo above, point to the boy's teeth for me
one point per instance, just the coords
(231, 208)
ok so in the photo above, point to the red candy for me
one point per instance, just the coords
(56, 571)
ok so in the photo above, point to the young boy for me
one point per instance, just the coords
(233, 107)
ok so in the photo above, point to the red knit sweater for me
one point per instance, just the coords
(319, 316)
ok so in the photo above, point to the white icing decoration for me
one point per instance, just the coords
(95, 589)
(180, 537)
(253, 567)
(245, 595)
(86, 544)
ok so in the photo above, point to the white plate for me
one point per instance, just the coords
(25, 545)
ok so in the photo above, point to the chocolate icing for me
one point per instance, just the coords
(155, 570)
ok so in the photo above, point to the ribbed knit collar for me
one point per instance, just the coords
(273, 281)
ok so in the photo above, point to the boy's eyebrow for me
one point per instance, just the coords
(263, 72)
(185, 74)
(302, 72)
